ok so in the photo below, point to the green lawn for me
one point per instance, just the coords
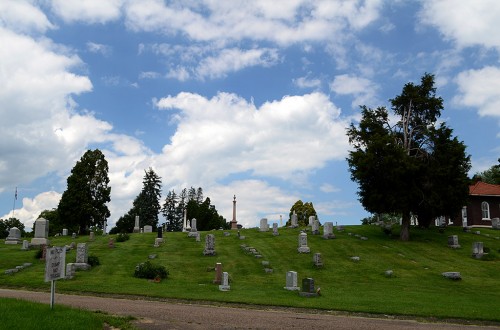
(416, 289)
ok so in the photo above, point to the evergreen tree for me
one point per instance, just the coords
(83, 204)
(170, 212)
(147, 204)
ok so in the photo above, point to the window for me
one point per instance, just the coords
(485, 210)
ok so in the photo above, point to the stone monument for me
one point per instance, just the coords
(41, 232)
(263, 225)
(291, 281)
(14, 236)
(193, 232)
(453, 242)
(234, 223)
(308, 289)
(224, 286)
(303, 248)
(317, 260)
(477, 250)
(294, 220)
(275, 229)
(328, 230)
(148, 229)
(209, 245)
(137, 227)
(315, 227)
(495, 223)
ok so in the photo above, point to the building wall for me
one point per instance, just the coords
(474, 213)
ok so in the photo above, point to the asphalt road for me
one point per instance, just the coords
(178, 315)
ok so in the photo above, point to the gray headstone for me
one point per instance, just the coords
(495, 223)
(275, 229)
(193, 232)
(137, 228)
(263, 225)
(65, 232)
(209, 245)
(26, 245)
(315, 227)
(294, 222)
(81, 253)
(225, 282)
(477, 250)
(318, 261)
(41, 232)
(14, 236)
(303, 248)
(311, 220)
(328, 230)
(453, 241)
(291, 281)
(148, 229)
(91, 236)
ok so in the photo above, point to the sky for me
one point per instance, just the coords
(245, 98)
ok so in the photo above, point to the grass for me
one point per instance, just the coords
(416, 289)
(30, 315)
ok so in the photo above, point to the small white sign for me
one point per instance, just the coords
(55, 262)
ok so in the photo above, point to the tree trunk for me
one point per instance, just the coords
(405, 227)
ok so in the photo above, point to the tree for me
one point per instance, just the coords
(83, 204)
(147, 204)
(303, 211)
(491, 175)
(413, 167)
(171, 209)
(55, 224)
(9, 223)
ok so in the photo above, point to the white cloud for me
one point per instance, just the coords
(363, 90)
(97, 48)
(479, 89)
(22, 16)
(469, 23)
(149, 75)
(88, 11)
(328, 188)
(31, 208)
(306, 82)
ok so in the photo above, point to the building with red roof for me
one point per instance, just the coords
(483, 205)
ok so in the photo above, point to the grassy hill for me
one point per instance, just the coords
(416, 288)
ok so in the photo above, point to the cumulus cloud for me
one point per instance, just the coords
(363, 90)
(22, 16)
(97, 48)
(482, 21)
(88, 11)
(479, 88)
(32, 207)
(306, 82)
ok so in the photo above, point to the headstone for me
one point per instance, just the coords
(452, 275)
(185, 223)
(218, 273)
(198, 237)
(308, 289)
(328, 230)
(26, 245)
(275, 229)
(148, 229)
(225, 282)
(389, 273)
(318, 261)
(65, 232)
(291, 281)
(311, 220)
(158, 241)
(137, 228)
(303, 248)
(81, 253)
(73, 235)
(453, 242)
(92, 236)
(477, 250)
(209, 245)
(14, 236)
(315, 227)
(41, 232)
(294, 220)
(193, 232)
(263, 225)
(495, 223)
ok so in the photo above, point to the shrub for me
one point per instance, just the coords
(93, 260)
(122, 237)
(150, 271)
(39, 253)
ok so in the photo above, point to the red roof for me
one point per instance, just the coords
(484, 189)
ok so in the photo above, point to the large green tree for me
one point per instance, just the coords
(409, 165)
(55, 224)
(303, 211)
(148, 202)
(83, 204)
(491, 175)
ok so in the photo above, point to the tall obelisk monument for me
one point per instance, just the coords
(234, 224)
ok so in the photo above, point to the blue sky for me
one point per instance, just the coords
(245, 98)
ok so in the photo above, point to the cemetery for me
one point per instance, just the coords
(300, 267)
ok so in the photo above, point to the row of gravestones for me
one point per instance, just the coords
(327, 228)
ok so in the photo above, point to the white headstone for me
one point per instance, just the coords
(41, 232)
(328, 230)
(14, 236)
(148, 229)
(294, 222)
(291, 281)
(225, 282)
(193, 232)
(137, 228)
(26, 245)
(311, 220)
(65, 232)
(263, 225)
(477, 250)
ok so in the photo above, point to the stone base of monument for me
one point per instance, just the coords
(292, 288)
(308, 294)
(304, 249)
(329, 236)
(192, 234)
(224, 287)
(40, 241)
(137, 230)
(12, 240)
(71, 268)
(209, 252)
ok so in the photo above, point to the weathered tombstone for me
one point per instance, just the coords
(328, 230)
(263, 225)
(73, 235)
(209, 245)
(315, 227)
(41, 232)
(452, 275)
(311, 220)
(26, 245)
(453, 242)
(193, 232)
(308, 289)
(303, 248)
(291, 281)
(81, 253)
(477, 250)
(198, 237)
(158, 241)
(294, 220)
(275, 229)
(218, 273)
(65, 232)
(495, 223)
(91, 236)
(224, 286)
(318, 261)
(148, 229)
(137, 228)
(14, 236)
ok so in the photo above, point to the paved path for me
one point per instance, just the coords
(176, 315)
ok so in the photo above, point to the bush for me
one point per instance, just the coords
(122, 237)
(39, 253)
(150, 271)
(93, 260)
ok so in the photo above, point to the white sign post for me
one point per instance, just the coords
(54, 268)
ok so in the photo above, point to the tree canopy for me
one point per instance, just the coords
(303, 211)
(9, 223)
(491, 175)
(83, 204)
(413, 166)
